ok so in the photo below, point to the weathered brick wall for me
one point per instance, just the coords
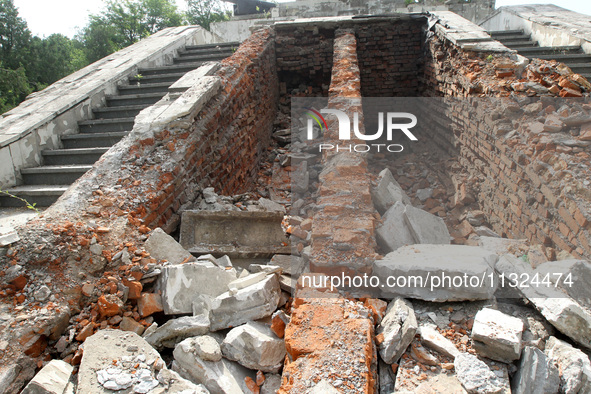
(391, 57)
(304, 55)
(223, 147)
(520, 180)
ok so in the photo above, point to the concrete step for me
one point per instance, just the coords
(572, 58)
(142, 88)
(93, 140)
(211, 46)
(207, 51)
(156, 78)
(580, 68)
(106, 125)
(501, 33)
(586, 75)
(118, 112)
(72, 156)
(200, 58)
(134, 99)
(548, 50)
(54, 175)
(516, 37)
(172, 69)
(40, 195)
(526, 44)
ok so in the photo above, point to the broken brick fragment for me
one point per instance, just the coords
(149, 303)
(109, 305)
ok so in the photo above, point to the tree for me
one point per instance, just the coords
(14, 35)
(14, 88)
(205, 12)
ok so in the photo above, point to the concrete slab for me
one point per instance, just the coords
(241, 234)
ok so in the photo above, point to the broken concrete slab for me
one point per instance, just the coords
(51, 379)
(207, 348)
(536, 374)
(116, 353)
(291, 265)
(502, 246)
(497, 336)
(477, 377)
(564, 313)
(425, 227)
(438, 272)
(577, 273)
(172, 382)
(250, 303)
(394, 232)
(223, 376)
(387, 192)
(242, 234)
(432, 339)
(175, 330)
(162, 246)
(396, 331)
(272, 384)
(573, 365)
(181, 282)
(245, 281)
(254, 346)
(272, 206)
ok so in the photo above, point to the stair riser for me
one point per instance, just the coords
(90, 142)
(167, 71)
(65, 159)
(223, 45)
(205, 52)
(56, 178)
(122, 101)
(512, 38)
(40, 201)
(106, 128)
(142, 90)
(156, 79)
(579, 70)
(182, 60)
(124, 113)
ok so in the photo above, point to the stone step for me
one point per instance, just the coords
(142, 88)
(200, 58)
(210, 46)
(94, 140)
(54, 175)
(208, 51)
(106, 125)
(580, 68)
(547, 50)
(72, 156)
(501, 33)
(171, 69)
(516, 37)
(567, 58)
(129, 111)
(134, 99)
(40, 195)
(157, 78)
(525, 43)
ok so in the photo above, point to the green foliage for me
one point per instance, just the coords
(30, 206)
(14, 35)
(14, 88)
(206, 12)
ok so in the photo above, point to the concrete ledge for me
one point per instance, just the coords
(548, 24)
(39, 121)
(465, 34)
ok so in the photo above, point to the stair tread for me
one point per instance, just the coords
(171, 68)
(74, 151)
(132, 96)
(122, 108)
(145, 77)
(57, 168)
(502, 32)
(553, 49)
(573, 56)
(105, 121)
(95, 135)
(217, 44)
(38, 189)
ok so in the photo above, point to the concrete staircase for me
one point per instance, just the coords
(572, 56)
(61, 167)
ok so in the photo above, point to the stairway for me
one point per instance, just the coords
(61, 167)
(572, 56)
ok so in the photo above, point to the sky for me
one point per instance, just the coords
(67, 16)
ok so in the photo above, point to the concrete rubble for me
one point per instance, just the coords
(573, 366)
(497, 336)
(477, 377)
(254, 346)
(396, 331)
(52, 379)
(536, 373)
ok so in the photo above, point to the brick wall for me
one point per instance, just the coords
(522, 195)
(391, 56)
